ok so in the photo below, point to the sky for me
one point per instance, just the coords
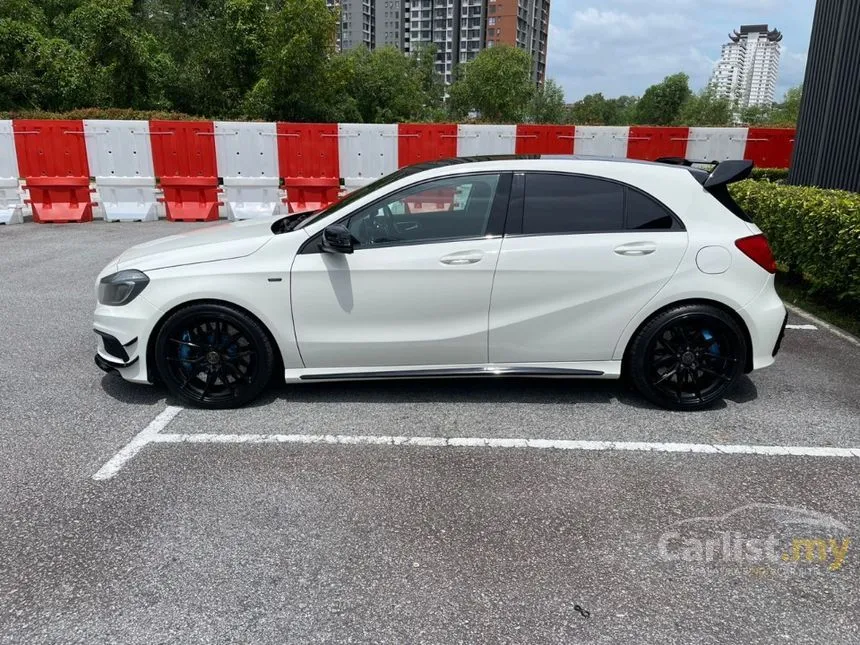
(622, 46)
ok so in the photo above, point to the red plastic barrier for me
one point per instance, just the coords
(417, 142)
(770, 147)
(646, 142)
(183, 155)
(52, 158)
(438, 199)
(309, 165)
(545, 139)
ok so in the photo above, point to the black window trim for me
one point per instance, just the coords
(514, 226)
(495, 224)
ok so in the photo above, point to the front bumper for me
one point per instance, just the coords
(123, 334)
(109, 366)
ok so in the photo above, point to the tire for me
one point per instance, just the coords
(688, 357)
(214, 356)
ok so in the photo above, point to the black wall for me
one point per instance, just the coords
(827, 149)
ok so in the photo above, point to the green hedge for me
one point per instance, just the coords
(813, 232)
(776, 175)
(115, 114)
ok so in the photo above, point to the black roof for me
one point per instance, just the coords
(733, 170)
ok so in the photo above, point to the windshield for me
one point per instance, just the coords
(296, 221)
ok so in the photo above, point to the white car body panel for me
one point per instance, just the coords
(209, 244)
(559, 297)
(568, 301)
(397, 305)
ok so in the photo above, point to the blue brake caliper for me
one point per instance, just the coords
(185, 352)
(715, 346)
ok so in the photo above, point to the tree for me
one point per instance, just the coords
(756, 114)
(786, 113)
(591, 109)
(622, 110)
(431, 81)
(294, 83)
(661, 103)
(706, 109)
(547, 105)
(497, 84)
(123, 60)
(388, 86)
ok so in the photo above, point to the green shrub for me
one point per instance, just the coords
(116, 114)
(775, 175)
(813, 232)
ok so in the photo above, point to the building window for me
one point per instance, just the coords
(491, 21)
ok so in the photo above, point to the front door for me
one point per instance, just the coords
(416, 290)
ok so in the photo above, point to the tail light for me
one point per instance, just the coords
(758, 250)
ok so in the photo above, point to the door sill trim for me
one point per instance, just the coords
(449, 372)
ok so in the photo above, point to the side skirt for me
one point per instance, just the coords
(592, 369)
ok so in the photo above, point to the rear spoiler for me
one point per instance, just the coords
(723, 173)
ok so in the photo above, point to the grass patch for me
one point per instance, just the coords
(842, 313)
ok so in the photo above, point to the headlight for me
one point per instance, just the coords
(121, 288)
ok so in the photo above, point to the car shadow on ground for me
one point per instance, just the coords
(532, 391)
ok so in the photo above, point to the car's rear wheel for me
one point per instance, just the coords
(214, 356)
(688, 357)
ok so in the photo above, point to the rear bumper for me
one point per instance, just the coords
(765, 317)
(781, 336)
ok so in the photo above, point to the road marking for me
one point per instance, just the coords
(824, 325)
(483, 442)
(145, 436)
(812, 327)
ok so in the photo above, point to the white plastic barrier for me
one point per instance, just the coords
(11, 195)
(477, 140)
(716, 144)
(247, 156)
(120, 159)
(366, 152)
(601, 141)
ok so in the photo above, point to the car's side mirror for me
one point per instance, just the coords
(337, 239)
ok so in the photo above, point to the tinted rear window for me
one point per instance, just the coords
(645, 213)
(571, 204)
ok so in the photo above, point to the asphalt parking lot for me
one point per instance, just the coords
(285, 539)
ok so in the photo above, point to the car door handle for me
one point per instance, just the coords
(462, 257)
(636, 248)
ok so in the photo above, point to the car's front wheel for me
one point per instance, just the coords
(688, 357)
(213, 356)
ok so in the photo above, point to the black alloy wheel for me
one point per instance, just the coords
(688, 357)
(214, 356)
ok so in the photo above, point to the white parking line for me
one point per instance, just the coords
(134, 446)
(482, 442)
(824, 325)
(812, 327)
(151, 434)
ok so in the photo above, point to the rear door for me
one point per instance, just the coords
(580, 257)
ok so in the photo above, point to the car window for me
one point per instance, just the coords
(451, 208)
(645, 213)
(556, 203)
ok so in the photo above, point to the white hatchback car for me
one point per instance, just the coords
(494, 266)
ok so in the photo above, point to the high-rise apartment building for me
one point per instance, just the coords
(749, 64)
(459, 29)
